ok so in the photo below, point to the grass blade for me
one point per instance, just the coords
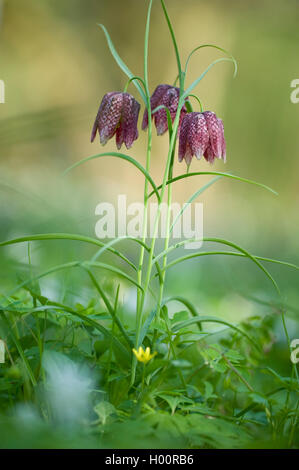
(191, 199)
(173, 40)
(196, 82)
(121, 63)
(210, 319)
(227, 175)
(110, 308)
(222, 242)
(68, 236)
(19, 348)
(123, 157)
(74, 264)
(228, 253)
(215, 47)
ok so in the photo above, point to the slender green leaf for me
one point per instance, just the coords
(229, 253)
(118, 239)
(174, 41)
(191, 199)
(110, 308)
(19, 348)
(196, 82)
(147, 325)
(183, 301)
(187, 304)
(74, 264)
(145, 54)
(123, 157)
(211, 319)
(121, 63)
(68, 236)
(227, 175)
(222, 242)
(215, 47)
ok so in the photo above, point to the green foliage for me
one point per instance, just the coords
(197, 392)
(71, 379)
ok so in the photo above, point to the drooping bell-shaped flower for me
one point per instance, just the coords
(168, 96)
(118, 114)
(201, 134)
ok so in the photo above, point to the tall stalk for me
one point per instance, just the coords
(154, 235)
(141, 296)
(139, 304)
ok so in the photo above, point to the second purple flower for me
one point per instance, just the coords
(167, 96)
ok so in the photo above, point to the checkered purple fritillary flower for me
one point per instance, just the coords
(202, 134)
(117, 115)
(167, 96)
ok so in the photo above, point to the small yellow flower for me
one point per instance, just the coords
(144, 356)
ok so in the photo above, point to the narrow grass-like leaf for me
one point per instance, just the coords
(68, 236)
(121, 63)
(228, 253)
(187, 304)
(221, 242)
(215, 47)
(227, 175)
(145, 51)
(123, 157)
(119, 239)
(110, 308)
(196, 82)
(19, 348)
(146, 325)
(82, 264)
(191, 199)
(211, 319)
(108, 245)
(117, 271)
(173, 41)
(183, 301)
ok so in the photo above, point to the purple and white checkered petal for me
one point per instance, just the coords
(160, 116)
(119, 136)
(198, 136)
(155, 102)
(110, 116)
(100, 111)
(183, 134)
(188, 154)
(214, 132)
(209, 154)
(172, 100)
(223, 143)
(129, 119)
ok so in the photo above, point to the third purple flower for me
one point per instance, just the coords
(202, 134)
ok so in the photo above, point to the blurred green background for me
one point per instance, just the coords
(56, 66)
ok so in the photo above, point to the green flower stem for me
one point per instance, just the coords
(145, 211)
(140, 300)
(142, 295)
(143, 377)
(198, 100)
(166, 244)
(132, 79)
